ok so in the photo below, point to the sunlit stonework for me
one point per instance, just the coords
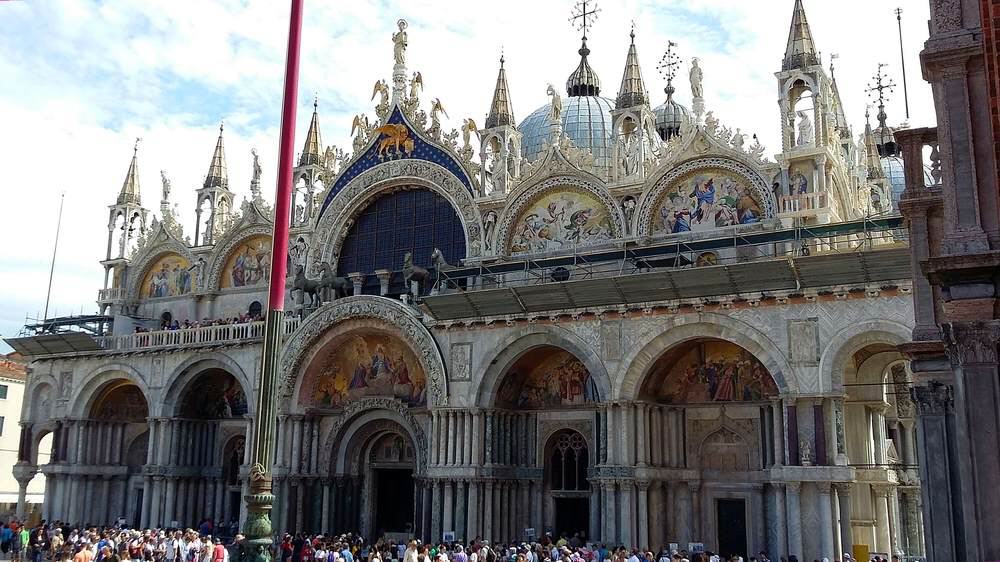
(701, 321)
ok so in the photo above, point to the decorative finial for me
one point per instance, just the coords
(833, 57)
(315, 101)
(222, 125)
(632, 33)
(501, 56)
(881, 83)
(582, 17)
(135, 148)
(668, 67)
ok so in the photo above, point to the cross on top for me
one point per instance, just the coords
(582, 17)
(669, 62)
(882, 82)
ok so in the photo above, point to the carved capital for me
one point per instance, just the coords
(933, 399)
(843, 488)
(793, 487)
(973, 343)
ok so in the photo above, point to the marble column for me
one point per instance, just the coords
(696, 525)
(156, 509)
(452, 441)
(608, 534)
(594, 531)
(488, 533)
(148, 485)
(449, 506)
(883, 542)
(325, 513)
(844, 503)
(914, 538)
(474, 510)
(826, 520)
(461, 518)
(642, 435)
(435, 511)
(794, 515)
(642, 490)
(777, 525)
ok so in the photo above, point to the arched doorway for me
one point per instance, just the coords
(377, 470)
(120, 411)
(566, 462)
(712, 409)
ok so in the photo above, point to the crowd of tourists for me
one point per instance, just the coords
(170, 325)
(57, 542)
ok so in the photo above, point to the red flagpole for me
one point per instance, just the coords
(258, 529)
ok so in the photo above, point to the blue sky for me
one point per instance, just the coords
(79, 80)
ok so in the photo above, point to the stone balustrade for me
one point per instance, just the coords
(207, 335)
(111, 294)
(802, 202)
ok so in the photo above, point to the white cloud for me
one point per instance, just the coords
(82, 79)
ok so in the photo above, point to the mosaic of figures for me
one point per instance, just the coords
(704, 200)
(561, 219)
(710, 371)
(249, 264)
(170, 276)
(545, 378)
(365, 364)
(215, 395)
(121, 403)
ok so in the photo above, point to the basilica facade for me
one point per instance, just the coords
(616, 318)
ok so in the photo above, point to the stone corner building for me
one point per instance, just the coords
(954, 223)
(647, 332)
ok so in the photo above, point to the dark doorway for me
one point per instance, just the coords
(393, 500)
(731, 522)
(254, 310)
(572, 515)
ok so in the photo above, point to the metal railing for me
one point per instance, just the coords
(742, 246)
(192, 337)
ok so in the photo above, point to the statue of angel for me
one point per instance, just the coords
(738, 140)
(383, 104)
(436, 110)
(363, 129)
(696, 76)
(399, 43)
(555, 111)
(468, 127)
(416, 85)
(711, 122)
(166, 185)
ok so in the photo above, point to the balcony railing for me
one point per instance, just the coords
(112, 294)
(802, 202)
(193, 337)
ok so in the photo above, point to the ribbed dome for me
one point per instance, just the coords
(670, 115)
(586, 120)
(583, 81)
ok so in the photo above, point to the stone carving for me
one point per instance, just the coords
(381, 403)
(339, 215)
(761, 190)
(696, 76)
(838, 418)
(489, 224)
(806, 134)
(904, 403)
(399, 43)
(555, 104)
(971, 344)
(803, 341)
(628, 210)
(461, 362)
(366, 306)
(805, 452)
(946, 15)
(933, 399)
(65, 385)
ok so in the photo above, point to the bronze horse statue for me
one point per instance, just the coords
(413, 273)
(330, 286)
(305, 286)
(441, 266)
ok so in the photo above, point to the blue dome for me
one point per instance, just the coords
(586, 120)
(892, 167)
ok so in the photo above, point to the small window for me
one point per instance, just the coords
(3, 392)
(1, 425)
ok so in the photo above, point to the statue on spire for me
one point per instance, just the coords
(696, 76)
(399, 43)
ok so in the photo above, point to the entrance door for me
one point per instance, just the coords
(572, 516)
(393, 500)
(731, 523)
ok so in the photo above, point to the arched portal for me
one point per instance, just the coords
(567, 460)
(119, 413)
(407, 220)
(708, 370)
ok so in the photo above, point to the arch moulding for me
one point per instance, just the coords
(335, 222)
(516, 345)
(362, 413)
(83, 398)
(384, 310)
(846, 342)
(682, 329)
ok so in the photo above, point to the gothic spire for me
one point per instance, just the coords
(312, 151)
(501, 112)
(130, 189)
(632, 91)
(800, 51)
(217, 176)
(842, 126)
(872, 161)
